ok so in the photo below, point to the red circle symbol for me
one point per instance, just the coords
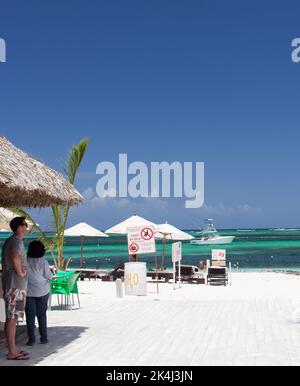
(221, 254)
(134, 248)
(147, 233)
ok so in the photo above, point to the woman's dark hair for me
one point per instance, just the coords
(36, 249)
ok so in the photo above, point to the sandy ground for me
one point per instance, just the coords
(255, 321)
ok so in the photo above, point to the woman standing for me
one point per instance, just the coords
(39, 276)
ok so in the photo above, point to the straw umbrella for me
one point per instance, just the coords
(169, 232)
(26, 182)
(83, 230)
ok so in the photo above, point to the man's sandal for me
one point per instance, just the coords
(20, 357)
(24, 352)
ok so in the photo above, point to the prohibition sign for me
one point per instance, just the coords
(134, 248)
(147, 233)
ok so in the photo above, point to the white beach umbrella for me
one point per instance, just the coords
(169, 232)
(83, 230)
(132, 221)
(6, 216)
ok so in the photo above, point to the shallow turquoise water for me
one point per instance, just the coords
(252, 249)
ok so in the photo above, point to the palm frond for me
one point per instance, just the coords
(47, 241)
(74, 159)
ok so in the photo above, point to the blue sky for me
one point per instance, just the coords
(207, 81)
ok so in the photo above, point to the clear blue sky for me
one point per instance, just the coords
(161, 80)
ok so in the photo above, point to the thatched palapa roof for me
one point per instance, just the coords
(26, 182)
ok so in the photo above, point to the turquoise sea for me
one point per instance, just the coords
(252, 249)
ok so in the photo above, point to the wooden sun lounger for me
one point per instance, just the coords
(161, 275)
(217, 276)
(118, 273)
(89, 273)
(190, 274)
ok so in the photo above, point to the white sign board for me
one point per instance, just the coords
(218, 257)
(218, 254)
(176, 252)
(141, 240)
(176, 257)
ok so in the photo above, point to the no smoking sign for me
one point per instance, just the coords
(133, 248)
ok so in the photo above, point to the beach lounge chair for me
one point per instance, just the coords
(116, 273)
(161, 275)
(88, 274)
(217, 276)
(190, 274)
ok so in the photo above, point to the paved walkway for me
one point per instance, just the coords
(256, 321)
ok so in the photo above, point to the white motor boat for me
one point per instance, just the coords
(210, 235)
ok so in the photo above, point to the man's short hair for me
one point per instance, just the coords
(16, 222)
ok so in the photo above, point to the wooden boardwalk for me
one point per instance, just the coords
(256, 321)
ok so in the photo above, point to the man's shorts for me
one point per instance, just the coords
(15, 300)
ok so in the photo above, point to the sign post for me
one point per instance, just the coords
(176, 257)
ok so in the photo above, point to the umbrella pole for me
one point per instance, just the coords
(156, 266)
(81, 251)
(163, 253)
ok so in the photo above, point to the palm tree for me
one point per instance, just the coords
(59, 213)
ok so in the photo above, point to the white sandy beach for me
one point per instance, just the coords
(256, 321)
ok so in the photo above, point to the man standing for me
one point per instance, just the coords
(14, 283)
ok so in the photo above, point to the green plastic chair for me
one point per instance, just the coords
(64, 286)
(74, 286)
(64, 273)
